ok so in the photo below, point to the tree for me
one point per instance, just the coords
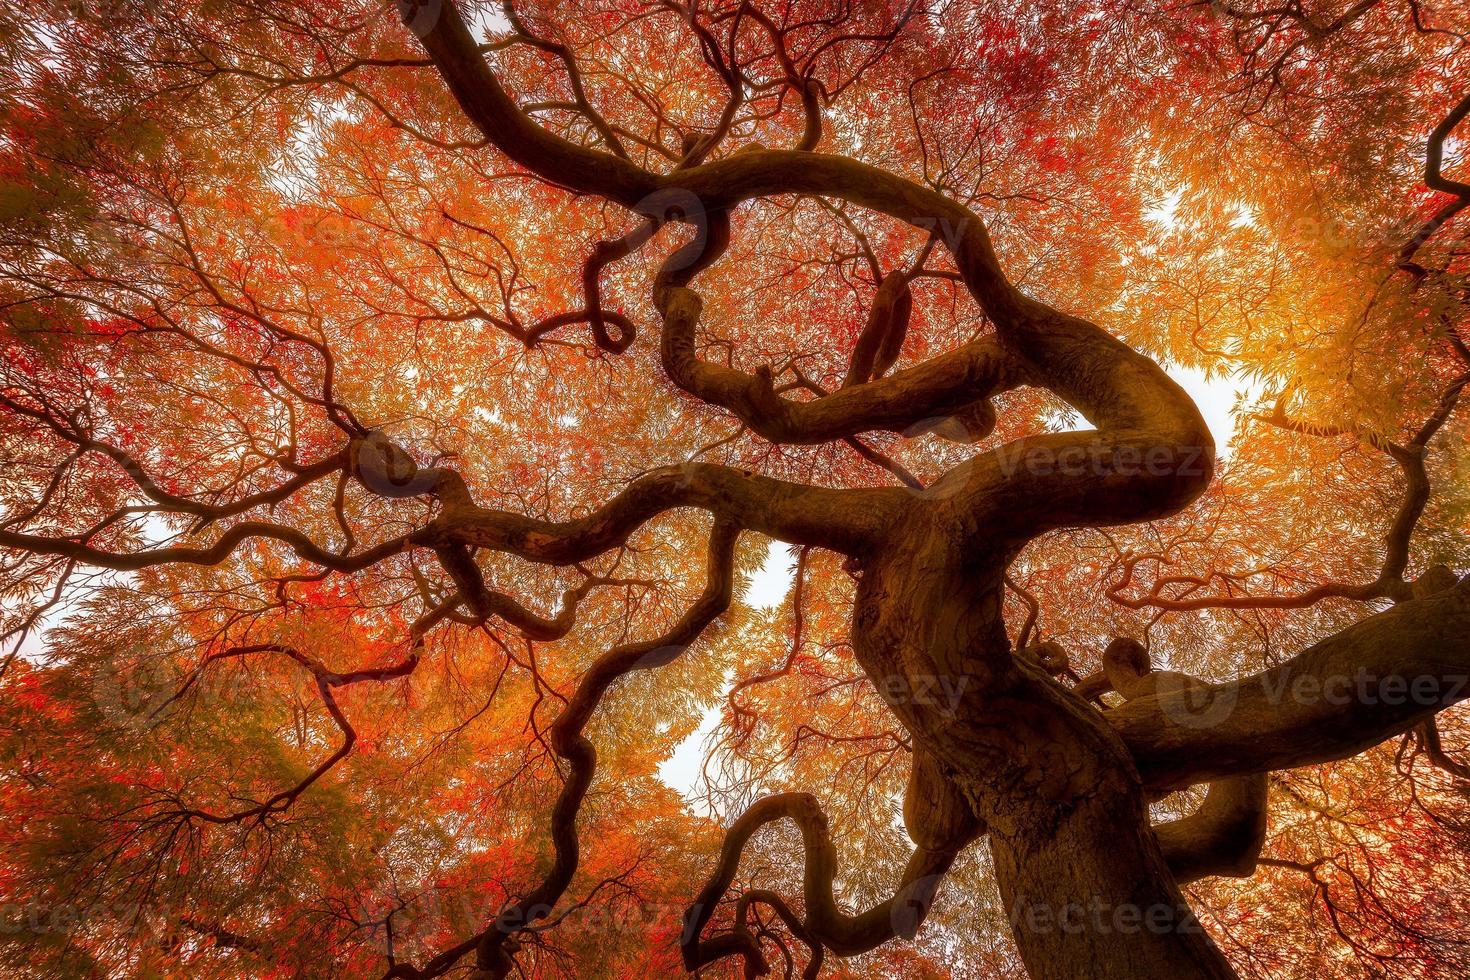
(340, 340)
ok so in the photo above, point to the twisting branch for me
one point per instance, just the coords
(71, 429)
(1428, 740)
(1225, 833)
(213, 554)
(485, 602)
(938, 818)
(327, 681)
(882, 336)
(1435, 179)
(761, 896)
(845, 935)
(495, 945)
(848, 521)
(574, 76)
(1376, 679)
(1136, 407)
(941, 387)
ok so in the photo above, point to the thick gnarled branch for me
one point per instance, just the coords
(941, 387)
(1374, 680)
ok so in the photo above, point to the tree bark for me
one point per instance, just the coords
(1083, 877)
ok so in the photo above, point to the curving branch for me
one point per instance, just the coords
(1375, 680)
(213, 554)
(485, 603)
(1223, 837)
(495, 945)
(848, 521)
(843, 934)
(327, 680)
(798, 929)
(939, 820)
(1427, 738)
(1136, 407)
(1225, 833)
(882, 336)
(69, 428)
(941, 387)
(525, 35)
(1435, 179)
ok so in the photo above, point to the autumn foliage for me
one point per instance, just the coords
(379, 500)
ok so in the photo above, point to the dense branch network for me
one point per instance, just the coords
(1148, 455)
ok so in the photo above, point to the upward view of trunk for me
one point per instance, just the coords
(1083, 879)
(356, 525)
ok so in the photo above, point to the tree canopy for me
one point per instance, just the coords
(398, 400)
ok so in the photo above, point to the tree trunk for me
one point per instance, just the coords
(1088, 894)
(1081, 873)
